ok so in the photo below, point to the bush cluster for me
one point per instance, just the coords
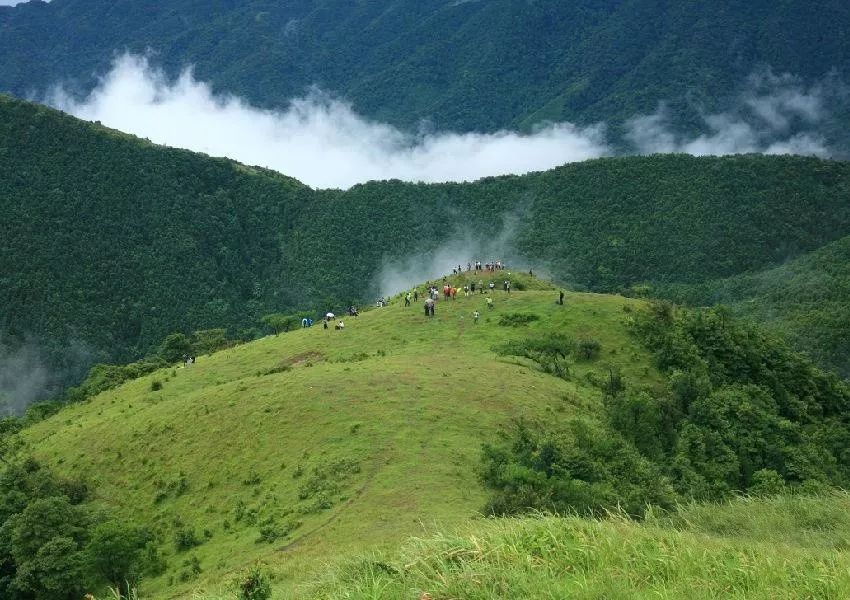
(53, 545)
(741, 413)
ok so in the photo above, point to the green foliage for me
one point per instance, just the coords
(191, 568)
(323, 487)
(55, 572)
(279, 323)
(517, 319)
(115, 553)
(106, 377)
(549, 351)
(741, 408)
(175, 348)
(185, 539)
(588, 349)
(741, 412)
(52, 546)
(805, 300)
(582, 469)
(9, 426)
(255, 584)
(207, 341)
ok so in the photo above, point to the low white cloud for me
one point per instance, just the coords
(317, 139)
(24, 378)
(774, 115)
(321, 141)
(780, 99)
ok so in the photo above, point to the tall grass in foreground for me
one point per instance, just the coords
(763, 553)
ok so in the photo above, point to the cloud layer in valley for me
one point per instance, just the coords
(317, 139)
(321, 141)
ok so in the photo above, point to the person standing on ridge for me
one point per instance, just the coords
(561, 297)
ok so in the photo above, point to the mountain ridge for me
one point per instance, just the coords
(115, 243)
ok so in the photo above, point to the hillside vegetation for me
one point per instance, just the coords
(110, 243)
(805, 300)
(459, 65)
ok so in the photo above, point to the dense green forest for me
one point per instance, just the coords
(805, 300)
(459, 65)
(110, 243)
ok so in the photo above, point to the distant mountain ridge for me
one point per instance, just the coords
(458, 65)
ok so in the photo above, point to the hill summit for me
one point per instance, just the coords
(320, 443)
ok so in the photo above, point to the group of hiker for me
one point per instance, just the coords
(433, 293)
(450, 292)
(490, 267)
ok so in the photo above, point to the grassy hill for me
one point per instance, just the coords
(459, 65)
(320, 453)
(110, 243)
(326, 443)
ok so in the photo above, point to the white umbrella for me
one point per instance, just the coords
(330, 315)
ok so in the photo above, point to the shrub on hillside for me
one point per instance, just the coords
(255, 584)
(185, 538)
(207, 341)
(105, 377)
(53, 545)
(588, 349)
(550, 352)
(582, 468)
(740, 413)
(740, 407)
(517, 319)
(175, 348)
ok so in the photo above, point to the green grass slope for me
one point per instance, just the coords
(805, 300)
(307, 447)
(791, 547)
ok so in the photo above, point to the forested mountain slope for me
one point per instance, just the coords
(806, 300)
(460, 65)
(112, 243)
